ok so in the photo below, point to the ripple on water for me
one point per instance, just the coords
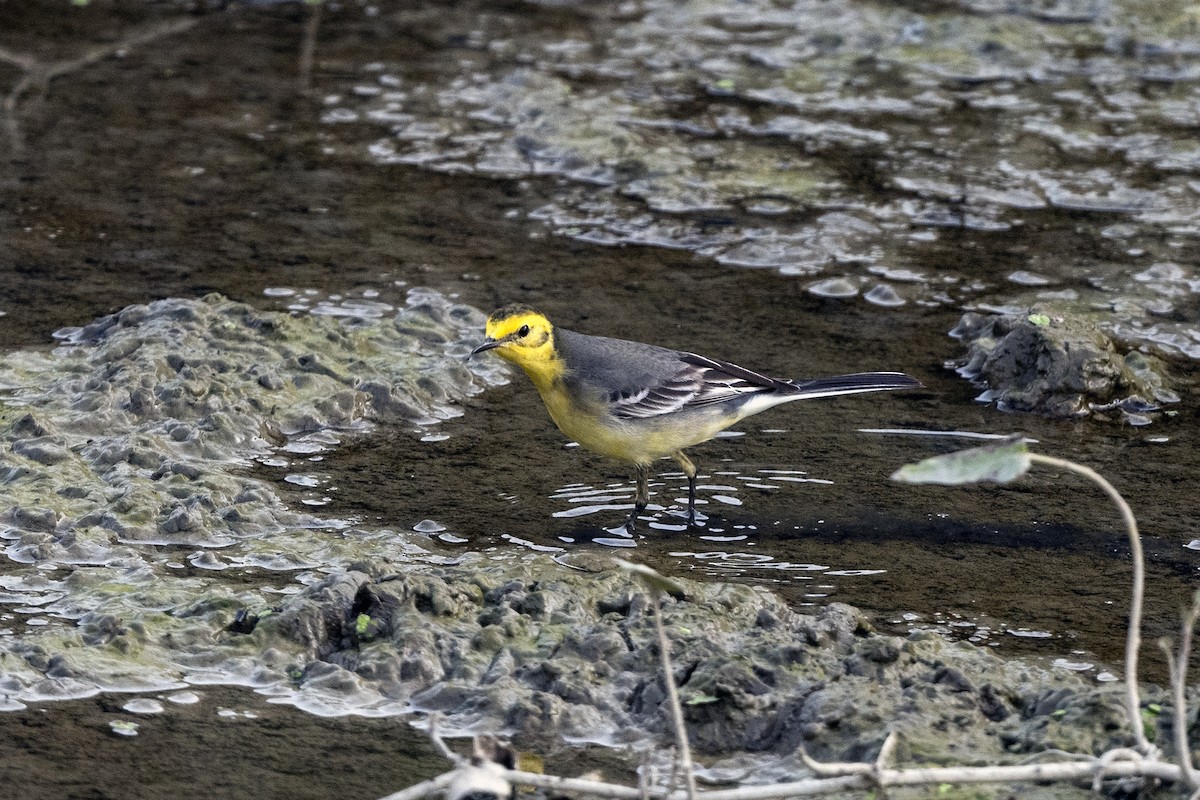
(884, 295)
(668, 506)
(143, 705)
(123, 727)
(184, 698)
(836, 288)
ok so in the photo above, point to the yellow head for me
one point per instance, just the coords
(525, 337)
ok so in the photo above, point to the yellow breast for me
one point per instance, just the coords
(639, 441)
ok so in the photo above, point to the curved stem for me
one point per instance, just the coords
(681, 737)
(308, 47)
(1133, 636)
(1177, 665)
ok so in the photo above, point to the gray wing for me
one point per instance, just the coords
(698, 382)
(640, 381)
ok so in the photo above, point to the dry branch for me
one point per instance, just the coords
(1133, 632)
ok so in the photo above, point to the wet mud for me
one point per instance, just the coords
(224, 743)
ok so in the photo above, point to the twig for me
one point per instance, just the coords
(659, 586)
(1038, 756)
(1177, 669)
(833, 769)
(887, 751)
(138, 37)
(681, 737)
(1133, 634)
(883, 759)
(443, 750)
(833, 778)
(811, 787)
(1073, 771)
(12, 126)
(431, 786)
(673, 773)
(22, 61)
(308, 45)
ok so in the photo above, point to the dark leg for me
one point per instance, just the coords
(689, 469)
(641, 499)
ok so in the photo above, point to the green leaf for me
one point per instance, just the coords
(725, 83)
(1041, 320)
(1148, 723)
(1000, 462)
(700, 700)
(362, 624)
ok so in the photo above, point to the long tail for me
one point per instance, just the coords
(852, 384)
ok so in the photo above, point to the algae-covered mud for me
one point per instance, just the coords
(847, 145)
(120, 467)
(237, 446)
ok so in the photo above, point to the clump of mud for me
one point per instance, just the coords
(548, 653)
(1060, 365)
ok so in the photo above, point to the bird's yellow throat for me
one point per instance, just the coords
(529, 343)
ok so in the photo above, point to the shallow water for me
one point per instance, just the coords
(806, 190)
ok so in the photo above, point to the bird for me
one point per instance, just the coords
(637, 402)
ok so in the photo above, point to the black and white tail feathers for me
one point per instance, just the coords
(853, 384)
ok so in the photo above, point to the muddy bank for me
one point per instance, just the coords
(548, 654)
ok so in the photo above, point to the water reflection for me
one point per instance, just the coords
(667, 510)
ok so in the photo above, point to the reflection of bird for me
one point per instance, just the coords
(482, 778)
(637, 402)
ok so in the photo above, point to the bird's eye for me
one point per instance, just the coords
(524, 331)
